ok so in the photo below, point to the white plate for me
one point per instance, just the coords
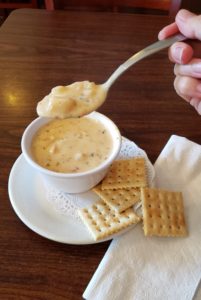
(33, 203)
(28, 198)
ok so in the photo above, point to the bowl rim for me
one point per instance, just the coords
(100, 167)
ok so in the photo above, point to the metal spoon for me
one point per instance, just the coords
(153, 48)
(81, 98)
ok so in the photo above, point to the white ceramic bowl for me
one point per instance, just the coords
(72, 182)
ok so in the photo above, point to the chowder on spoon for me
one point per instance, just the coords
(74, 100)
(81, 98)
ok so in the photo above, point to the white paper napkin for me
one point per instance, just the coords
(136, 267)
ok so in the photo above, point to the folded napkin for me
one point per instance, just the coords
(136, 267)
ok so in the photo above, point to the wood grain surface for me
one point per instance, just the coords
(39, 50)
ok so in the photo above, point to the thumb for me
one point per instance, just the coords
(189, 24)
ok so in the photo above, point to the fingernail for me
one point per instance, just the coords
(196, 68)
(177, 53)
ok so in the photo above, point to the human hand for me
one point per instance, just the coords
(186, 56)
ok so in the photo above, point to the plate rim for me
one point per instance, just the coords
(24, 219)
(35, 228)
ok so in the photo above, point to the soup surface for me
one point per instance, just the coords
(72, 145)
(74, 100)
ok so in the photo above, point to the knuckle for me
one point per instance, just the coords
(182, 84)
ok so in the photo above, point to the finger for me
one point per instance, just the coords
(192, 69)
(188, 86)
(168, 31)
(196, 103)
(180, 53)
(186, 98)
(189, 24)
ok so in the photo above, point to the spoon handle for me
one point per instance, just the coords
(153, 48)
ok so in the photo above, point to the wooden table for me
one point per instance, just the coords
(39, 50)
